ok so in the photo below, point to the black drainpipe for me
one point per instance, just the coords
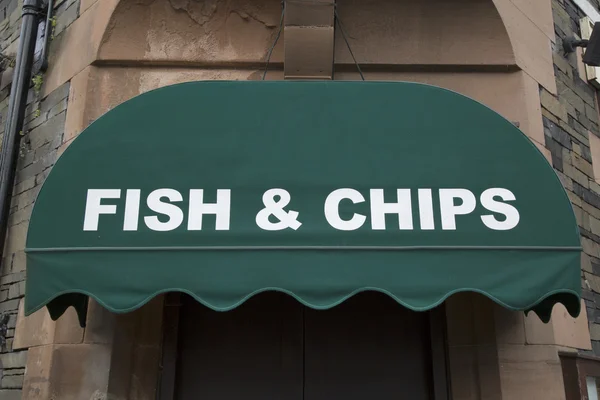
(16, 111)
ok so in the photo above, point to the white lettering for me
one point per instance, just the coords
(198, 208)
(132, 210)
(402, 207)
(275, 201)
(156, 204)
(332, 212)
(426, 209)
(449, 210)
(93, 208)
(510, 212)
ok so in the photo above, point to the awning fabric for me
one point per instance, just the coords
(321, 190)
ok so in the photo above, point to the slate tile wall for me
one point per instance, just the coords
(570, 118)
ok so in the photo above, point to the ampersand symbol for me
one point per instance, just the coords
(275, 208)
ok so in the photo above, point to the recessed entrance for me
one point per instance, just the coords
(273, 347)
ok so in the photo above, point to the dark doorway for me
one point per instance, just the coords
(272, 347)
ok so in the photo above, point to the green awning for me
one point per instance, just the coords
(321, 190)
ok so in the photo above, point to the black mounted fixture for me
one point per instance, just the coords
(592, 46)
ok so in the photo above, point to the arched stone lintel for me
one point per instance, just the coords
(530, 27)
(103, 34)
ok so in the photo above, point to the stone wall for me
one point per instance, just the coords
(570, 121)
(42, 135)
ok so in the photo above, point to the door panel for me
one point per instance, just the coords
(251, 353)
(272, 347)
(369, 347)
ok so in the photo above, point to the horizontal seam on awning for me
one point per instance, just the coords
(318, 248)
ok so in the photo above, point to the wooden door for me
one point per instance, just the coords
(272, 347)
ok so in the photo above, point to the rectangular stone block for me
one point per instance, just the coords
(18, 262)
(589, 197)
(576, 200)
(33, 120)
(594, 225)
(23, 186)
(574, 122)
(58, 108)
(585, 91)
(589, 235)
(578, 215)
(12, 321)
(568, 95)
(38, 329)
(593, 281)
(9, 305)
(569, 331)
(595, 266)
(36, 385)
(549, 116)
(80, 371)
(13, 360)
(566, 181)
(595, 331)
(41, 151)
(586, 123)
(11, 394)
(530, 372)
(8, 346)
(16, 371)
(591, 113)
(12, 381)
(16, 290)
(566, 156)
(561, 18)
(551, 144)
(562, 65)
(558, 134)
(550, 103)
(25, 158)
(581, 135)
(66, 18)
(557, 162)
(586, 263)
(593, 211)
(28, 172)
(21, 216)
(576, 175)
(582, 165)
(586, 293)
(54, 98)
(46, 132)
(590, 247)
(28, 197)
(12, 278)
